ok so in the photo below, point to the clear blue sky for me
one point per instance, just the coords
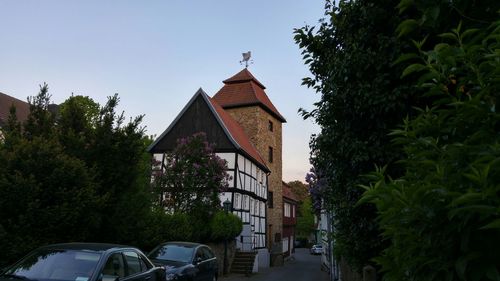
(156, 54)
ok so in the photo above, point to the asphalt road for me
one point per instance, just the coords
(304, 267)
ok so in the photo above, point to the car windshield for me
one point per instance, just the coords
(173, 253)
(67, 265)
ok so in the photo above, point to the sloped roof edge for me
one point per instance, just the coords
(169, 128)
(239, 146)
(219, 119)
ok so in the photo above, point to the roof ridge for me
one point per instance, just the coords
(243, 76)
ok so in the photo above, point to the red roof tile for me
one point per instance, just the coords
(237, 133)
(22, 108)
(243, 76)
(243, 89)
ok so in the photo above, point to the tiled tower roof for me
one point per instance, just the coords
(242, 90)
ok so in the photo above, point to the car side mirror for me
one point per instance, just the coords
(197, 260)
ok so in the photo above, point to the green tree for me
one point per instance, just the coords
(225, 226)
(193, 176)
(357, 56)
(90, 132)
(46, 196)
(442, 215)
(191, 183)
(81, 175)
(305, 219)
(350, 55)
(299, 189)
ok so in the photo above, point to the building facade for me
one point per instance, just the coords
(290, 204)
(246, 130)
(244, 98)
(248, 187)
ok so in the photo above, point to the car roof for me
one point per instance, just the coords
(97, 247)
(183, 244)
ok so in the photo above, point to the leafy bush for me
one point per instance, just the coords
(442, 217)
(225, 226)
(82, 175)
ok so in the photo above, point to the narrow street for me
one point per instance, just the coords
(304, 267)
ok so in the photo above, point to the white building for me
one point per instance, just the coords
(248, 188)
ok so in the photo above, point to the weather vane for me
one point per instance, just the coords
(246, 59)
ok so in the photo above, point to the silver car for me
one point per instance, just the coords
(316, 249)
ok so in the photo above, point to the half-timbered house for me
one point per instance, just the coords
(248, 188)
(246, 129)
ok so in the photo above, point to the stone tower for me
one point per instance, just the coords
(244, 98)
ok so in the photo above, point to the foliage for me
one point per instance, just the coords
(442, 216)
(193, 177)
(305, 219)
(45, 196)
(160, 227)
(350, 55)
(190, 182)
(299, 189)
(318, 190)
(305, 215)
(225, 226)
(81, 175)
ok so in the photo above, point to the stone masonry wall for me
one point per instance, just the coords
(255, 123)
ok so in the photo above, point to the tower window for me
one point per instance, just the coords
(270, 125)
(270, 155)
(270, 202)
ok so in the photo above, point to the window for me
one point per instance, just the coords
(207, 253)
(270, 126)
(134, 263)
(245, 202)
(200, 256)
(287, 210)
(114, 266)
(270, 199)
(270, 155)
(237, 201)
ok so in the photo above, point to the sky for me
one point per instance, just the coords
(157, 54)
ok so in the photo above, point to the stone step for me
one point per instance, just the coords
(243, 262)
(245, 255)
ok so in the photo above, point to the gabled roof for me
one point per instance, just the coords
(243, 89)
(233, 131)
(22, 108)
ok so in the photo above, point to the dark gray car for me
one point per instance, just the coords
(186, 261)
(84, 262)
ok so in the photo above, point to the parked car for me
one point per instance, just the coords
(186, 261)
(316, 249)
(84, 262)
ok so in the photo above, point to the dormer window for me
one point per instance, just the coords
(270, 126)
